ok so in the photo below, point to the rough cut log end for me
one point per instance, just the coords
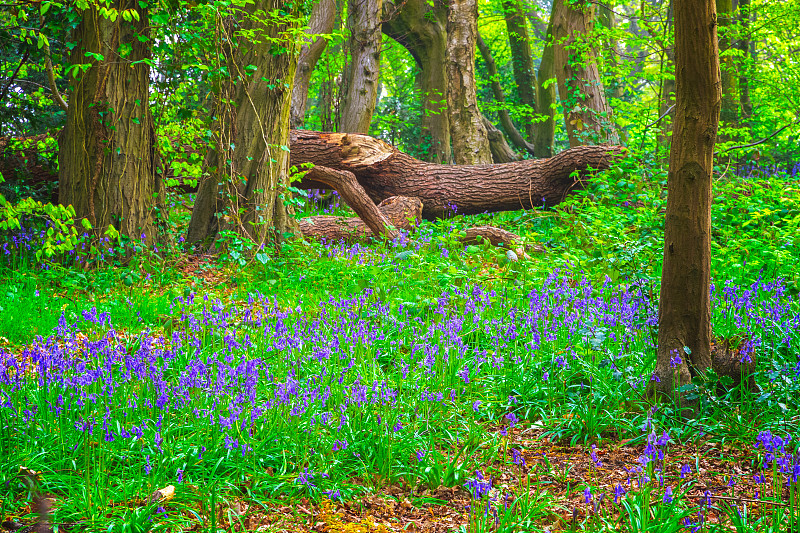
(358, 150)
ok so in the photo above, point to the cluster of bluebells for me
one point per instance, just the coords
(776, 455)
(340, 377)
(789, 171)
(327, 201)
(779, 456)
(87, 249)
(480, 488)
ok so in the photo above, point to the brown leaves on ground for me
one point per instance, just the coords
(557, 473)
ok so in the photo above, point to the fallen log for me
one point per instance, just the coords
(384, 171)
(401, 212)
(352, 193)
(497, 237)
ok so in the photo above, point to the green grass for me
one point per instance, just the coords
(560, 341)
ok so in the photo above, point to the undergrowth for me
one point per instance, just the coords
(329, 371)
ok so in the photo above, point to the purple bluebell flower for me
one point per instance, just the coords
(593, 454)
(479, 486)
(517, 457)
(619, 492)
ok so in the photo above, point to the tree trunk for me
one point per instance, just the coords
(467, 131)
(360, 83)
(502, 112)
(327, 114)
(730, 106)
(248, 164)
(666, 105)
(666, 93)
(498, 146)
(521, 61)
(546, 98)
(586, 111)
(321, 21)
(383, 171)
(107, 161)
(421, 27)
(746, 47)
(684, 328)
(613, 53)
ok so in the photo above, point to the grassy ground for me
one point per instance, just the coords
(415, 385)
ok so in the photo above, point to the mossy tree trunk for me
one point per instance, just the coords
(586, 110)
(746, 47)
(666, 102)
(107, 157)
(684, 327)
(531, 85)
(247, 165)
(503, 115)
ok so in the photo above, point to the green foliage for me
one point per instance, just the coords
(582, 387)
(58, 231)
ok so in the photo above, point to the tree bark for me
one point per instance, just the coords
(499, 237)
(502, 111)
(546, 98)
(522, 61)
(467, 131)
(384, 171)
(360, 83)
(399, 212)
(666, 92)
(248, 163)
(613, 53)
(729, 113)
(107, 157)
(353, 194)
(684, 327)
(746, 46)
(498, 146)
(586, 110)
(321, 21)
(421, 27)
